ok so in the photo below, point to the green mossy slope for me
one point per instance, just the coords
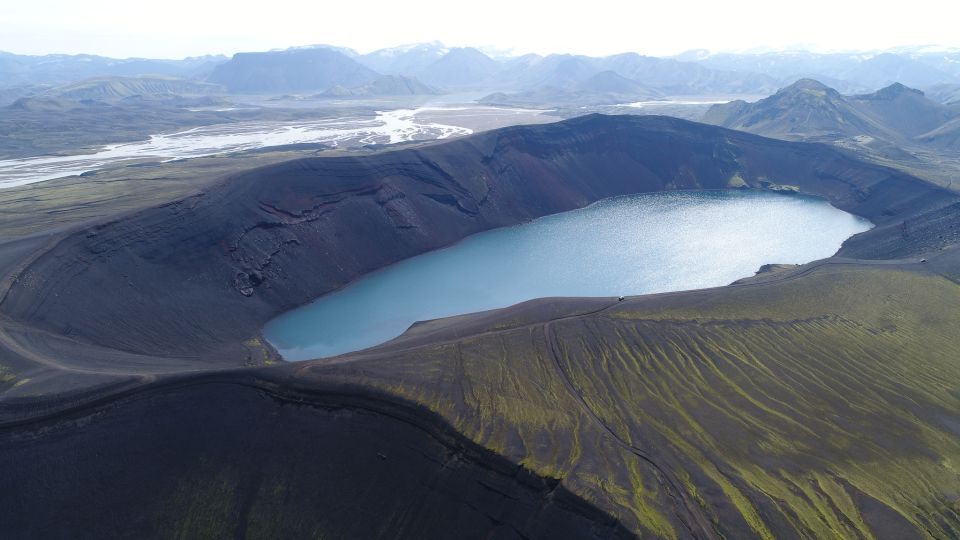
(824, 405)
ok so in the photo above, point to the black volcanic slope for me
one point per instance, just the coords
(208, 271)
(813, 402)
(235, 458)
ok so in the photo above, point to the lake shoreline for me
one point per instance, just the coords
(635, 238)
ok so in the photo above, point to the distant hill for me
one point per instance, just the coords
(896, 126)
(557, 70)
(667, 76)
(906, 111)
(43, 104)
(810, 110)
(407, 59)
(847, 71)
(461, 67)
(16, 69)
(604, 88)
(885, 69)
(676, 77)
(112, 88)
(804, 110)
(948, 94)
(945, 137)
(293, 70)
(387, 85)
(346, 51)
(613, 83)
(318, 68)
(10, 94)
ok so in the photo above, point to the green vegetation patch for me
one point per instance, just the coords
(815, 404)
(8, 377)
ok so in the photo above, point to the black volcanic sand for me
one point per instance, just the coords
(200, 275)
(237, 456)
(808, 402)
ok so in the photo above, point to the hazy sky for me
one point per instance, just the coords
(177, 28)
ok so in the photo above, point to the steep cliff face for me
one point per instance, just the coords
(201, 274)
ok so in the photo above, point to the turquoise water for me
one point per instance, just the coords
(625, 246)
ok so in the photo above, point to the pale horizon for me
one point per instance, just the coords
(183, 29)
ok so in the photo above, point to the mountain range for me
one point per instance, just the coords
(386, 85)
(860, 71)
(604, 88)
(811, 111)
(321, 67)
(290, 71)
(110, 88)
(896, 126)
(16, 70)
(404, 59)
(948, 94)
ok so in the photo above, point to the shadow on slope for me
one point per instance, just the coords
(231, 456)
